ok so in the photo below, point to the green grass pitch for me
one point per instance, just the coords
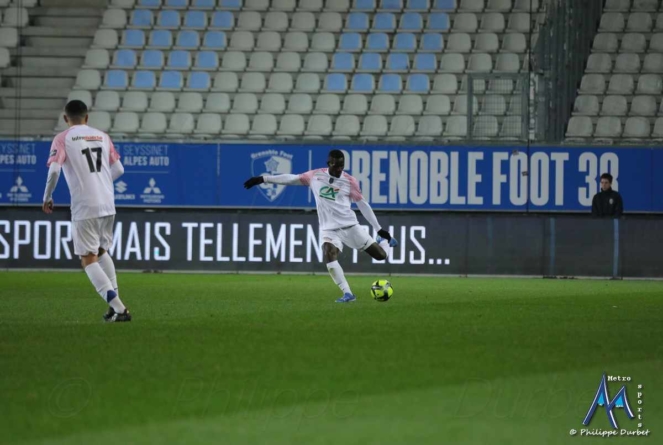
(245, 359)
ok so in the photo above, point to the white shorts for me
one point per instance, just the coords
(92, 234)
(355, 237)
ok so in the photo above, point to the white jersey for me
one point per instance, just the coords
(333, 198)
(86, 155)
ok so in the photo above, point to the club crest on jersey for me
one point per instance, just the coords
(271, 162)
(329, 193)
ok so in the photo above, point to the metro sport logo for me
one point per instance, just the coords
(329, 193)
(602, 398)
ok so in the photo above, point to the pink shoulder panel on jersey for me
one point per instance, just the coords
(58, 152)
(306, 177)
(355, 191)
(114, 155)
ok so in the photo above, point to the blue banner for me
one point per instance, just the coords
(391, 177)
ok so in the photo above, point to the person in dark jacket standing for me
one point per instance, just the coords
(607, 203)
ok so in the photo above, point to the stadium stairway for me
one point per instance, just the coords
(43, 67)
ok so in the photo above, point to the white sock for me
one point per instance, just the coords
(106, 263)
(104, 287)
(386, 247)
(336, 272)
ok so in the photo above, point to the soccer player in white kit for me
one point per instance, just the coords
(334, 192)
(90, 165)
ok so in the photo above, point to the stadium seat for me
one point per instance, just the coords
(222, 20)
(168, 19)
(519, 22)
(134, 101)
(331, 22)
(608, 127)
(288, 62)
(636, 128)
(478, 85)
(498, 6)
(327, 104)
(480, 63)
(625, 63)
(417, 5)
(653, 63)
(656, 43)
(364, 5)
(645, 5)
(83, 96)
(438, 104)
(316, 63)
(514, 43)
(296, 41)
(162, 39)
(586, 106)
(614, 105)
(486, 43)
(152, 125)
(493, 105)
(141, 18)
(323, 41)
(356, 104)
(384, 22)
(268, 41)
(465, 22)
(300, 104)
(612, 22)
(246, 103)
(373, 127)
(248, 21)
(471, 5)
(456, 127)
(207, 60)
(310, 5)
(390, 83)
(617, 5)
(151, 60)
(133, 38)
(280, 83)
(105, 101)
(94, 58)
(233, 61)
(579, 127)
(506, 63)
(485, 127)
(242, 41)
(189, 103)
(261, 61)
(217, 103)
(103, 38)
(253, 83)
(195, 20)
(115, 79)
(643, 106)
(500, 86)
(437, 22)
(384, 104)
(444, 5)
(397, 63)
(417, 84)
(410, 105)
(263, 126)
(515, 106)
(291, 126)
(170, 80)
(225, 82)
(187, 40)
(346, 127)
(362, 83)
(350, 42)
(639, 22)
(112, 18)
(592, 84)
(180, 125)
(176, 4)
(319, 125)
(650, 84)
(391, 5)
(633, 43)
(198, 81)
(341, 62)
(406, 42)
(207, 126)
(276, 21)
(100, 120)
(621, 84)
(445, 84)
(658, 129)
(457, 43)
(452, 63)
(151, 4)
(235, 125)
(377, 42)
(411, 22)
(526, 5)
(303, 22)
(272, 103)
(124, 124)
(335, 83)
(179, 60)
(511, 128)
(285, 5)
(461, 105)
(424, 63)
(429, 127)
(605, 42)
(307, 83)
(124, 59)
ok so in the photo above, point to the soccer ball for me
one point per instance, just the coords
(382, 290)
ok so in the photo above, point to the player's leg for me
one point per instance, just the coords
(358, 238)
(377, 252)
(106, 241)
(331, 248)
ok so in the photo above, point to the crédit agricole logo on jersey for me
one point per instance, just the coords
(329, 193)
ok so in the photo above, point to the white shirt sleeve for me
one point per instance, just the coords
(283, 179)
(117, 169)
(367, 211)
(52, 180)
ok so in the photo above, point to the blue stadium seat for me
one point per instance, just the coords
(425, 62)
(362, 83)
(151, 59)
(349, 41)
(384, 21)
(390, 83)
(203, 4)
(370, 62)
(170, 80)
(405, 42)
(417, 5)
(207, 60)
(168, 19)
(144, 80)
(391, 5)
(344, 62)
(438, 21)
(116, 79)
(187, 39)
(431, 42)
(363, 5)
(125, 58)
(444, 5)
(336, 83)
(195, 20)
(230, 4)
(133, 38)
(141, 18)
(378, 42)
(179, 60)
(155, 4)
(176, 4)
(411, 21)
(215, 40)
(398, 62)
(161, 38)
(357, 21)
(198, 80)
(418, 83)
(223, 20)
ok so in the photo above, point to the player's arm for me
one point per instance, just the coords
(303, 179)
(56, 158)
(366, 210)
(116, 167)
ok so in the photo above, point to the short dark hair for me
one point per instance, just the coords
(75, 109)
(336, 154)
(607, 176)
